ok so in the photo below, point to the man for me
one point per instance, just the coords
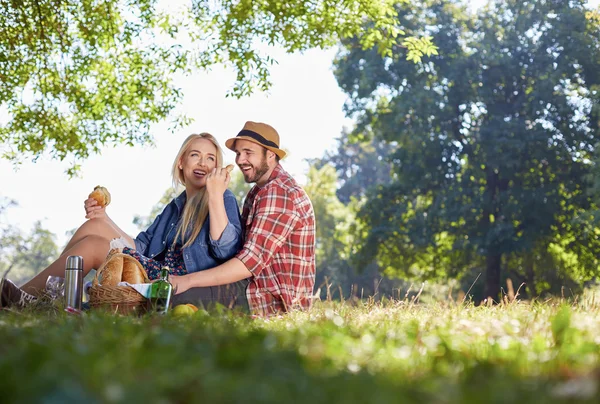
(278, 256)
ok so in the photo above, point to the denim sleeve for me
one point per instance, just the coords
(231, 239)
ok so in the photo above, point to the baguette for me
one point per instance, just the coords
(133, 272)
(112, 271)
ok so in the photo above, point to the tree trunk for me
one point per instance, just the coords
(492, 275)
(493, 258)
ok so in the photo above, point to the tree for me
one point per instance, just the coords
(332, 221)
(9, 238)
(143, 222)
(336, 243)
(78, 75)
(239, 186)
(492, 139)
(359, 163)
(24, 255)
(36, 252)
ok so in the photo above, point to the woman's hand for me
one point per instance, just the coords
(217, 181)
(179, 283)
(93, 210)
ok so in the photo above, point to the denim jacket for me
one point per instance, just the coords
(205, 252)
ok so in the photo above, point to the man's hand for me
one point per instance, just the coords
(93, 210)
(228, 272)
(179, 283)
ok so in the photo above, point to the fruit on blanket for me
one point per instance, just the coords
(192, 307)
(183, 310)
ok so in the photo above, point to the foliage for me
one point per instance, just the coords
(37, 251)
(78, 75)
(335, 242)
(24, 255)
(297, 25)
(491, 140)
(143, 222)
(332, 222)
(239, 186)
(360, 164)
(10, 237)
(338, 353)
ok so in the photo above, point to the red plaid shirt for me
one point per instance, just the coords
(280, 245)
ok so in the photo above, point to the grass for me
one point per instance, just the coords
(348, 352)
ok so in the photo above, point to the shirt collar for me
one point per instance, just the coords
(180, 200)
(274, 174)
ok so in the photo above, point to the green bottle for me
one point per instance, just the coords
(160, 296)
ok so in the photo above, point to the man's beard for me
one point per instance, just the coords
(258, 171)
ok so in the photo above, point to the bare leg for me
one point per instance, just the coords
(121, 232)
(100, 227)
(91, 241)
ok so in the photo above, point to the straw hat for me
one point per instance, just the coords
(259, 133)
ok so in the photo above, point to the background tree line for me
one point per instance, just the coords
(491, 145)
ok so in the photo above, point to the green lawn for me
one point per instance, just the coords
(338, 352)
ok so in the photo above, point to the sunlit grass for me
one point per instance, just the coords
(352, 351)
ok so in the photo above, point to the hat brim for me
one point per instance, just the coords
(230, 142)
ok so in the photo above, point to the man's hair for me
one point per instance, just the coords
(265, 154)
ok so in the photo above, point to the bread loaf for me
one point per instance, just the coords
(133, 271)
(110, 273)
(101, 195)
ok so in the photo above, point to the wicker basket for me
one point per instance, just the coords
(117, 299)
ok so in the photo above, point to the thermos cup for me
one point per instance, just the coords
(74, 281)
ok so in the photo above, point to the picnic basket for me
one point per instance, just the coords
(118, 299)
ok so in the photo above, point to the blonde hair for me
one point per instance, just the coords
(196, 208)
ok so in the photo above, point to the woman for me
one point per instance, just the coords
(197, 230)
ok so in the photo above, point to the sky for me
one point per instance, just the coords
(304, 105)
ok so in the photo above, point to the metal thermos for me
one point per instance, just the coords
(74, 281)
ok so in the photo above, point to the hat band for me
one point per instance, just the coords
(257, 137)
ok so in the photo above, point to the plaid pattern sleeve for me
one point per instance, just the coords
(280, 245)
